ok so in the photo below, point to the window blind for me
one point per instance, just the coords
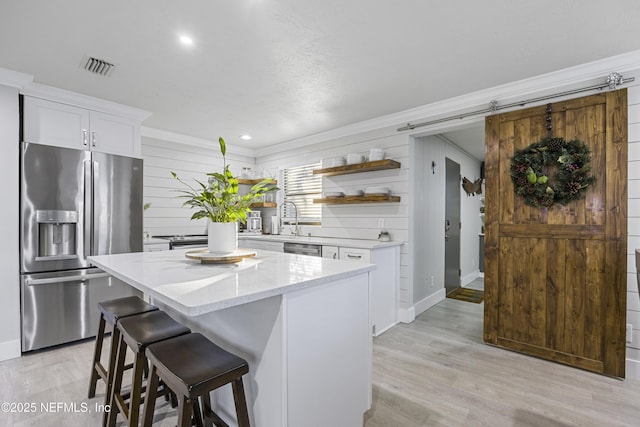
(301, 186)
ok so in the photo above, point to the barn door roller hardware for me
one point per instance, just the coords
(613, 81)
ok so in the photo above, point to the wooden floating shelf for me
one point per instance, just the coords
(263, 205)
(254, 181)
(348, 200)
(377, 165)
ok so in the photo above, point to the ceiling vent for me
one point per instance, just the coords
(97, 66)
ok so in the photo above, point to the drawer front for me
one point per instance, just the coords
(355, 254)
(153, 247)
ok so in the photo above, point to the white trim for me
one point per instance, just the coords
(378, 333)
(14, 78)
(165, 135)
(580, 75)
(9, 350)
(407, 315)
(38, 90)
(430, 301)
(632, 369)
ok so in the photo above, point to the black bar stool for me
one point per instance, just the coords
(136, 333)
(192, 366)
(110, 312)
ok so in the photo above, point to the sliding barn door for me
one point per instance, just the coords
(555, 278)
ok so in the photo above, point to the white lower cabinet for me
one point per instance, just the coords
(385, 282)
(259, 244)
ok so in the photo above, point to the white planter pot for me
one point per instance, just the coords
(223, 237)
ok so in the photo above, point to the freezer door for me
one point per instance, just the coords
(117, 204)
(52, 205)
(62, 307)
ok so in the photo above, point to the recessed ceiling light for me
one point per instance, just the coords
(186, 40)
(245, 137)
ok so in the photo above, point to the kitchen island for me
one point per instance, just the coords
(302, 323)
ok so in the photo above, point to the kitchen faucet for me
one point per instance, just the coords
(297, 229)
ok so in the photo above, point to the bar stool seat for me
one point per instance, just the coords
(192, 366)
(110, 312)
(136, 333)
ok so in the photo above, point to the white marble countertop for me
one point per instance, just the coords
(193, 288)
(329, 241)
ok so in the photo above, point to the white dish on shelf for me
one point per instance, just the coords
(332, 194)
(353, 193)
(376, 190)
(376, 154)
(353, 159)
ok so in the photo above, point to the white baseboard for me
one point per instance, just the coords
(632, 369)
(465, 280)
(407, 315)
(430, 301)
(10, 350)
(378, 333)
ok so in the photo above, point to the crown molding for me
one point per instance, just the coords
(14, 78)
(63, 96)
(165, 135)
(556, 81)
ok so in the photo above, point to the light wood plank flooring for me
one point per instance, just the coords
(433, 372)
(437, 371)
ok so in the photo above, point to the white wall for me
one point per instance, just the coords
(9, 259)
(427, 222)
(166, 216)
(633, 300)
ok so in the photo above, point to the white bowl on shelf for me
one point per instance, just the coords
(333, 194)
(376, 154)
(352, 193)
(353, 159)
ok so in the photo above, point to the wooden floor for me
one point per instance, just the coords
(433, 372)
(437, 371)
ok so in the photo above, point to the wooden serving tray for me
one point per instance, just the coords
(206, 257)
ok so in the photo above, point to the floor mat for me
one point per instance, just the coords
(468, 295)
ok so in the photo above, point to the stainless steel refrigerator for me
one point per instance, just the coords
(73, 204)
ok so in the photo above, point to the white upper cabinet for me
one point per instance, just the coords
(52, 123)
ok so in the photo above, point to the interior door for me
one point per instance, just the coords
(452, 227)
(555, 278)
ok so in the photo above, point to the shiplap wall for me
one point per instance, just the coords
(166, 216)
(633, 300)
(360, 221)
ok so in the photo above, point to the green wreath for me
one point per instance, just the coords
(568, 161)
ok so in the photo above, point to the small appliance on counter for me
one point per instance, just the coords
(275, 225)
(254, 222)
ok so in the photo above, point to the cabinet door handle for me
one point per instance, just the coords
(354, 256)
(85, 141)
(93, 139)
(335, 255)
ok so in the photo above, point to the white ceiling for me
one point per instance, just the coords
(285, 69)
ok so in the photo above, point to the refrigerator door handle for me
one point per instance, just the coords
(75, 278)
(88, 208)
(95, 238)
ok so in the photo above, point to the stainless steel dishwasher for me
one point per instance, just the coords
(303, 249)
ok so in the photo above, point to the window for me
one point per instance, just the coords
(301, 186)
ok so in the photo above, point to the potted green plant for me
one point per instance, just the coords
(219, 201)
